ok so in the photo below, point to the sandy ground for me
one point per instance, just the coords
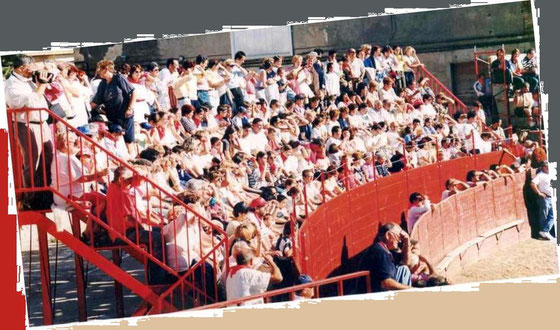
(528, 258)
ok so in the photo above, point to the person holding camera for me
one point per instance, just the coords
(119, 97)
(25, 88)
(387, 258)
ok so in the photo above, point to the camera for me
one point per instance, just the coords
(35, 77)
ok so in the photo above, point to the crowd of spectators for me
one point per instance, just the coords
(522, 79)
(242, 147)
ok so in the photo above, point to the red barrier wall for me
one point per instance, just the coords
(346, 225)
(470, 214)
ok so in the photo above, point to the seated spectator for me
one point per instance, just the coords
(475, 178)
(243, 281)
(530, 69)
(452, 187)
(387, 258)
(382, 166)
(306, 293)
(125, 219)
(501, 68)
(483, 91)
(419, 204)
(523, 101)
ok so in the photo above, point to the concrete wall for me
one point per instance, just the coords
(440, 64)
(441, 37)
(427, 31)
(214, 45)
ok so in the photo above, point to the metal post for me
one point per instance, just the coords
(323, 187)
(119, 302)
(475, 63)
(79, 266)
(45, 277)
(305, 200)
(506, 87)
(474, 150)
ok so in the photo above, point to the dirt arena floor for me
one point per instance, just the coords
(528, 258)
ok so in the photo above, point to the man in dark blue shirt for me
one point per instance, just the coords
(386, 259)
(118, 96)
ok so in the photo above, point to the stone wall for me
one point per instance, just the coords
(442, 38)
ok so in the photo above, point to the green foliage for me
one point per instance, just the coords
(7, 62)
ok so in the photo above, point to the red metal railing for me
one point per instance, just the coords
(154, 240)
(438, 87)
(316, 285)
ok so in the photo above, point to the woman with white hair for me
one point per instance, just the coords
(71, 175)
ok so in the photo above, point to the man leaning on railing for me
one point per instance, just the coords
(25, 88)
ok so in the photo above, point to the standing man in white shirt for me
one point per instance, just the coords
(33, 132)
(356, 65)
(235, 84)
(167, 77)
(541, 186)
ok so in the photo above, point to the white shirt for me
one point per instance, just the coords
(335, 66)
(482, 115)
(428, 110)
(415, 212)
(247, 282)
(67, 167)
(117, 148)
(357, 67)
(445, 194)
(408, 60)
(183, 238)
(484, 146)
(20, 92)
(387, 94)
(167, 79)
(236, 76)
(542, 181)
(141, 108)
(332, 82)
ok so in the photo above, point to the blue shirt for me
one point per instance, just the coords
(380, 262)
(115, 96)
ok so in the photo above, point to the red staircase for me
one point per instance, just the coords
(184, 291)
(438, 87)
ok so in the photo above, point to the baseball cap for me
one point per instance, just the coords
(146, 126)
(304, 279)
(88, 129)
(115, 128)
(257, 202)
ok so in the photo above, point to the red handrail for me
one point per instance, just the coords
(423, 72)
(223, 242)
(291, 290)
